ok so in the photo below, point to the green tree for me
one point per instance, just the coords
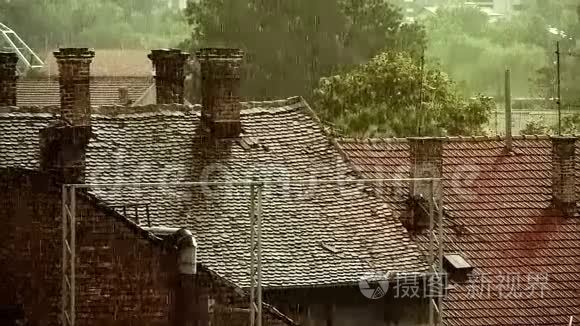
(290, 44)
(46, 24)
(476, 51)
(392, 96)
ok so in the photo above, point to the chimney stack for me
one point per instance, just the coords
(220, 89)
(8, 76)
(74, 77)
(63, 144)
(426, 162)
(169, 67)
(563, 174)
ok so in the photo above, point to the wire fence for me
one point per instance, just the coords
(521, 118)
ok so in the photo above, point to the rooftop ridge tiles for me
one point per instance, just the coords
(387, 140)
(249, 108)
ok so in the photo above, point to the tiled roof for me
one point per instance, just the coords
(499, 217)
(110, 63)
(104, 90)
(312, 236)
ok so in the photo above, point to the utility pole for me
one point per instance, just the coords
(559, 94)
(508, 111)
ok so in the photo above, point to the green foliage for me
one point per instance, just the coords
(571, 124)
(104, 23)
(476, 52)
(381, 98)
(536, 126)
(291, 44)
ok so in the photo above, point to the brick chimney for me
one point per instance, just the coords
(426, 162)
(220, 89)
(169, 67)
(63, 144)
(563, 174)
(75, 97)
(8, 78)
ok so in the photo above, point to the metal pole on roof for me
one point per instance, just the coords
(252, 258)
(508, 111)
(259, 262)
(441, 249)
(559, 95)
(431, 256)
(73, 241)
(64, 292)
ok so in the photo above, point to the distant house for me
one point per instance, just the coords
(117, 77)
(494, 9)
(511, 221)
(318, 240)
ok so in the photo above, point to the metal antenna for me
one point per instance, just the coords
(420, 120)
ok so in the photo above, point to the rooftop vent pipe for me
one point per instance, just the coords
(186, 246)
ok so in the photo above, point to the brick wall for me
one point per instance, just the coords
(8, 78)
(123, 279)
(124, 276)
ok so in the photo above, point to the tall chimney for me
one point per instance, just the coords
(169, 74)
(75, 97)
(426, 162)
(220, 89)
(8, 76)
(563, 174)
(63, 144)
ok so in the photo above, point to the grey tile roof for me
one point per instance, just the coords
(312, 235)
(104, 90)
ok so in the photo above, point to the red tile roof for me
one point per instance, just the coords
(499, 217)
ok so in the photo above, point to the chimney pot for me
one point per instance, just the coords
(563, 173)
(8, 77)
(74, 77)
(123, 96)
(220, 88)
(169, 65)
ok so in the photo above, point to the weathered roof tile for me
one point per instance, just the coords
(499, 216)
(153, 145)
